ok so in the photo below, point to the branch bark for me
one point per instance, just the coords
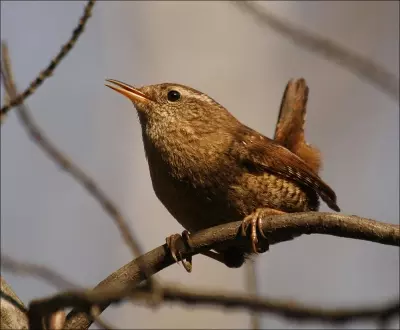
(278, 228)
(177, 294)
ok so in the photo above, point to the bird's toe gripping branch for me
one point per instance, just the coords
(254, 221)
(173, 242)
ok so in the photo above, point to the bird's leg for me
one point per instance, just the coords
(254, 220)
(172, 245)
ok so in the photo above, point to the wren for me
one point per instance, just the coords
(207, 168)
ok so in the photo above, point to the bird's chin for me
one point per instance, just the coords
(142, 111)
(141, 107)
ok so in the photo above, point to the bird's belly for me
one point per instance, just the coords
(200, 207)
(195, 207)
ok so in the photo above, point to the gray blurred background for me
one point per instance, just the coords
(215, 47)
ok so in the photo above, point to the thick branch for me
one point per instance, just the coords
(123, 283)
(278, 228)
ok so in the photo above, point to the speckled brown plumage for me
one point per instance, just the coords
(207, 168)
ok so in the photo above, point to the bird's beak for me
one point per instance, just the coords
(131, 93)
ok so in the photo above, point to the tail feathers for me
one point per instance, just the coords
(329, 197)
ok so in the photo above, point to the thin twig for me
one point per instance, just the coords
(34, 270)
(65, 163)
(48, 71)
(288, 309)
(50, 276)
(85, 300)
(356, 63)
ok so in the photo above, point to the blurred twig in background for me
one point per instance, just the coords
(85, 300)
(356, 63)
(19, 98)
(63, 161)
(252, 288)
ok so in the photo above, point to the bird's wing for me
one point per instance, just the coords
(259, 154)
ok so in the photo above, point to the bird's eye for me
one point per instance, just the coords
(173, 96)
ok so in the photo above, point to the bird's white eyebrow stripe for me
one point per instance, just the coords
(201, 97)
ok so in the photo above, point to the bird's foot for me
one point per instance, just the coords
(172, 242)
(254, 220)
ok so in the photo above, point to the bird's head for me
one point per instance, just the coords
(173, 103)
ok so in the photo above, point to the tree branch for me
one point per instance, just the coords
(177, 294)
(362, 66)
(123, 283)
(278, 228)
(19, 98)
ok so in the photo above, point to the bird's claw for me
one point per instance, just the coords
(254, 220)
(172, 242)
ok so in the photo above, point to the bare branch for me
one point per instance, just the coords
(56, 318)
(85, 300)
(278, 228)
(363, 67)
(39, 138)
(18, 99)
(288, 309)
(34, 270)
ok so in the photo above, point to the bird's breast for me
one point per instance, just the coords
(195, 193)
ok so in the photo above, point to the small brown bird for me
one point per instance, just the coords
(207, 168)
